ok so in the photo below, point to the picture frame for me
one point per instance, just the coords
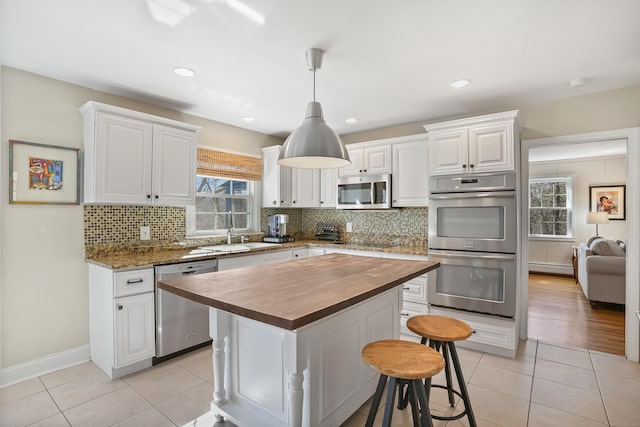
(610, 199)
(42, 174)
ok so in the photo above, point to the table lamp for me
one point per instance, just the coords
(597, 218)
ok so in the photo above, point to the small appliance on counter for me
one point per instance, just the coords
(327, 231)
(277, 229)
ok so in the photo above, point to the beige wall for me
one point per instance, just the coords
(615, 109)
(44, 299)
(43, 287)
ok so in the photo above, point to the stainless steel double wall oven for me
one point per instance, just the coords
(473, 232)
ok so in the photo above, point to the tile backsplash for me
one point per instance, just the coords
(105, 224)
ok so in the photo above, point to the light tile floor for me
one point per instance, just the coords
(544, 386)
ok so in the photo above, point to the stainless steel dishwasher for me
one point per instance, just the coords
(180, 323)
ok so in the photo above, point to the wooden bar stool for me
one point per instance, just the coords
(407, 362)
(442, 333)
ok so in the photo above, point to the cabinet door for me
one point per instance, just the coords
(134, 328)
(410, 175)
(448, 152)
(491, 148)
(276, 180)
(356, 167)
(377, 160)
(305, 186)
(123, 153)
(328, 188)
(174, 166)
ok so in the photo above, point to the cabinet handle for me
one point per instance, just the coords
(119, 306)
(321, 202)
(404, 314)
(406, 288)
(134, 281)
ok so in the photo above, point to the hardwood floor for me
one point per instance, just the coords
(559, 313)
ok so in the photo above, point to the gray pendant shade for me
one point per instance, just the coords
(314, 145)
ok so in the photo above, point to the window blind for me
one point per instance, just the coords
(228, 165)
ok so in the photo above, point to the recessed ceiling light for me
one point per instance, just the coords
(460, 83)
(577, 82)
(249, 119)
(184, 72)
(351, 120)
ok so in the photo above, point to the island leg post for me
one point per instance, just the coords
(296, 398)
(219, 392)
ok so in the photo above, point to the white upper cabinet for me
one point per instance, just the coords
(328, 188)
(477, 144)
(305, 188)
(368, 159)
(410, 173)
(276, 180)
(137, 158)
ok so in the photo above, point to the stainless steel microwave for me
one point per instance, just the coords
(364, 192)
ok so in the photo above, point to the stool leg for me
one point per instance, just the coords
(462, 385)
(411, 397)
(447, 372)
(403, 396)
(388, 407)
(375, 403)
(425, 415)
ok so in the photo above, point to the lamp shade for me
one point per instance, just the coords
(314, 145)
(597, 218)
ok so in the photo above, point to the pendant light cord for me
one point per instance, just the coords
(314, 84)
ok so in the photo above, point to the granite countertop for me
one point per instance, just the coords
(123, 256)
(273, 293)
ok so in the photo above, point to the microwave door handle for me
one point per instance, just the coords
(501, 257)
(373, 194)
(452, 196)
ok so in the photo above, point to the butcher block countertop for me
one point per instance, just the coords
(293, 294)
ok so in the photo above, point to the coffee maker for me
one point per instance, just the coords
(277, 229)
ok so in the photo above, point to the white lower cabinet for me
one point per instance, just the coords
(491, 334)
(246, 260)
(121, 319)
(414, 294)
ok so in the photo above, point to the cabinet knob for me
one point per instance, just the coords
(148, 196)
(464, 165)
(321, 202)
(157, 196)
(365, 171)
(120, 307)
(274, 202)
(360, 170)
(294, 202)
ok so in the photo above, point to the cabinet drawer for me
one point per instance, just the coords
(133, 282)
(410, 309)
(415, 290)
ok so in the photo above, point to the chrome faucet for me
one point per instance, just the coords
(230, 232)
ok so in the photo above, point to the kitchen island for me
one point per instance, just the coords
(287, 337)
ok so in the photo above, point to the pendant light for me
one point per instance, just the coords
(314, 145)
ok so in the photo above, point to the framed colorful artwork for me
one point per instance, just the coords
(609, 199)
(43, 174)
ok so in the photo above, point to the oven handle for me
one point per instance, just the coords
(452, 196)
(481, 255)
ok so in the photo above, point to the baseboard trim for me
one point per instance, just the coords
(560, 270)
(44, 365)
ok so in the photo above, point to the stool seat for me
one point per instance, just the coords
(402, 363)
(439, 328)
(403, 359)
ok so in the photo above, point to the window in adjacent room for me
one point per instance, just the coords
(550, 201)
(225, 182)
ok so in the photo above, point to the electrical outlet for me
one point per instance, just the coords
(349, 227)
(145, 233)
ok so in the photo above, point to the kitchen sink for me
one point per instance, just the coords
(239, 247)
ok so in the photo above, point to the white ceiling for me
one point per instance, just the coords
(386, 62)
